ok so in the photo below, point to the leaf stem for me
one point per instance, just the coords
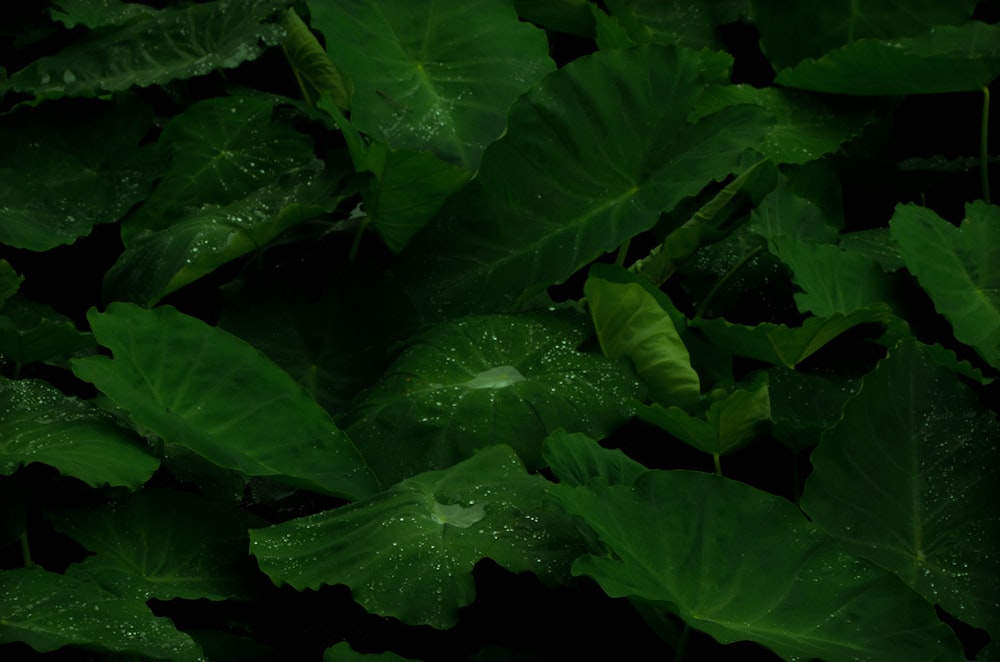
(717, 461)
(622, 252)
(984, 169)
(682, 644)
(26, 551)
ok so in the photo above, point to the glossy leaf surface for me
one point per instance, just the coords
(202, 388)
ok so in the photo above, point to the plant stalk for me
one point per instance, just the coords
(984, 131)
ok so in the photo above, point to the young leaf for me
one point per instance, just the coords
(959, 267)
(479, 381)
(48, 611)
(433, 76)
(717, 553)
(409, 551)
(172, 43)
(202, 388)
(908, 479)
(162, 544)
(631, 323)
(40, 424)
(593, 154)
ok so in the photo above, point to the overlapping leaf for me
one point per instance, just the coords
(409, 551)
(97, 13)
(48, 611)
(433, 76)
(480, 381)
(694, 543)
(172, 43)
(908, 479)
(593, 154)
(959, 267)
(162, 544)
(40, 424)
(206, 390)
(31, 332)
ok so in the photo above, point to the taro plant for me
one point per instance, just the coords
(494, 329)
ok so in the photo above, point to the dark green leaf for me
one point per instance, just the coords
(409, 551)
(10, 283)
(433, 76)
(31, 332)
(959, 267)
(908, 479)
(577, 459)
(480, 381)
(162, 544)
(48, 611)
(688, 23)
(40, 424)
(343, 652)
(313, 69)
(204, 389)
(717, 553)
(97, 13)
(804, 406)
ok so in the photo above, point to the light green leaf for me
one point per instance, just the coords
(409, 551)
(946, 59)
(172, 43)
(593, 154)
(222, 150)
(784, 345)
(48, 611)
(479, 381)
(433, 76)
(40, 424)
(162, 544)
(66, 167)
(630, 322)
(315, 72)
(194, 246)
(717, 552)
(908, 479)
(202, 388)
(959, 267)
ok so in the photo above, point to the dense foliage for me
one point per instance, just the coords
(483, 329)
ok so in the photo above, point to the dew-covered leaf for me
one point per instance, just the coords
(592, 155)
(958, 267)
(172, 43)
(204, 389)
(630, 322)
(433, 76)
(162, 544)
(908, 479)
(69, 166)
(31, 332)
(784, 345)
(946, 59)
(158, 263)
(97, 13)
(717, 552)
(48, 611)
(222, 149)
(40, 424)
(479, 381)
(790, 32)
(688, 23)
(409, 551)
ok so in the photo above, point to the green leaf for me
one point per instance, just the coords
(409, 551)
(69, 166)
(804, 406)
(577, 459)
(343, 652)
(162, 544)
(791, 32)
(172, 43)
(946, 59)
(689, 23)
(433, 76)
(315, 72)
(807, 127)
(630, 322)
(479, 381)
(206, 390)
(733, 420)
(31, 332)
(40, 424)
(572, 179)
(908, 479)
(194, 246)
(48, 611)
(97, 13)
(718, 552)
(784, 345)
(959, 267)
(10, 283)
(222, 150)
